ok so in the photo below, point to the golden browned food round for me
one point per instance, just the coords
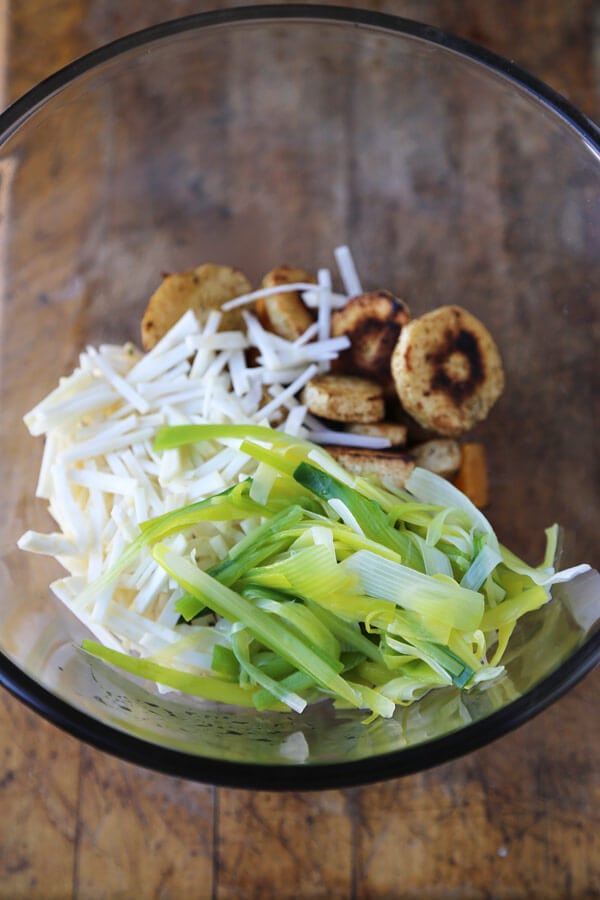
(202, 289)
(344, 398)
(447, 370)
(439, 455)
(389, 468)
(285, 314)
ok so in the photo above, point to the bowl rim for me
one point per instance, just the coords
(301, 776)
(26, 104)
(294, 776)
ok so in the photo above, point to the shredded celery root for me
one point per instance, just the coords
(333, 593)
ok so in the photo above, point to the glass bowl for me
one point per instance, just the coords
(261, 135)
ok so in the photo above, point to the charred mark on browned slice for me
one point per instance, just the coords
(458, 386)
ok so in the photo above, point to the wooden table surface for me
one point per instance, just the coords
(518, 819)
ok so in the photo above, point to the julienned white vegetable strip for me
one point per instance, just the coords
(348, 271)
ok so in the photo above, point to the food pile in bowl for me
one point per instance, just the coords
(269, 505)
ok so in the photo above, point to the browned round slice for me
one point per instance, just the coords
(440, 455)
(285, 314)
(344, 398)
(447, 370)
(389, 468)
(202, 289)
(373, 323)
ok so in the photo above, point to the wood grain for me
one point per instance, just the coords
(284, 845)
(141, 834)
(39, 799)
(518, 819)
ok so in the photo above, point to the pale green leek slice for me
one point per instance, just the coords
(410, 591)
(312, 572)
(240, 643)
(269, 631)
(206, 686)
(481, 568)
(368, 514)
(172, 436)
(513, 608)
(436, 597)
(431, 488)
(304, 621)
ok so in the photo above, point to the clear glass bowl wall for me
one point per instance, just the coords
(262, 142)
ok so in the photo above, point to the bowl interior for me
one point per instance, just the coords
(259, 142)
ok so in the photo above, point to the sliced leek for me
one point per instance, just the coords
(341, 589)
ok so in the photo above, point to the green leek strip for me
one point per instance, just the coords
(460, 672)
(283, 519)
(484, 563)
(311, 572)
(512, 583)
(412, 626)
(240, 643)
(204, 686)
(400, 661)
(220, 508)
(374, 700)
(305, 622)
(351, 659)
(346, 633)
(434, 597)
(232, 570)
(538, 574)
(234, 491)
(295, 682)
(273, 664)
(171, 436)
(435, 529)
(421, 515)
(463, 650)
(270, 529)
(224, 663)
(385, 497)
(552, 536)
(259, 595)
(373, 673)
(262, 626)
(281, 462)
(370, 516)
(456, 667)
(406, 688)
(431, 488)
(504, 635)
(542, 577)
(188, 516)
(429, 653)
(344, 536)
(286, 488)
(513, 608)
(189, 607)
